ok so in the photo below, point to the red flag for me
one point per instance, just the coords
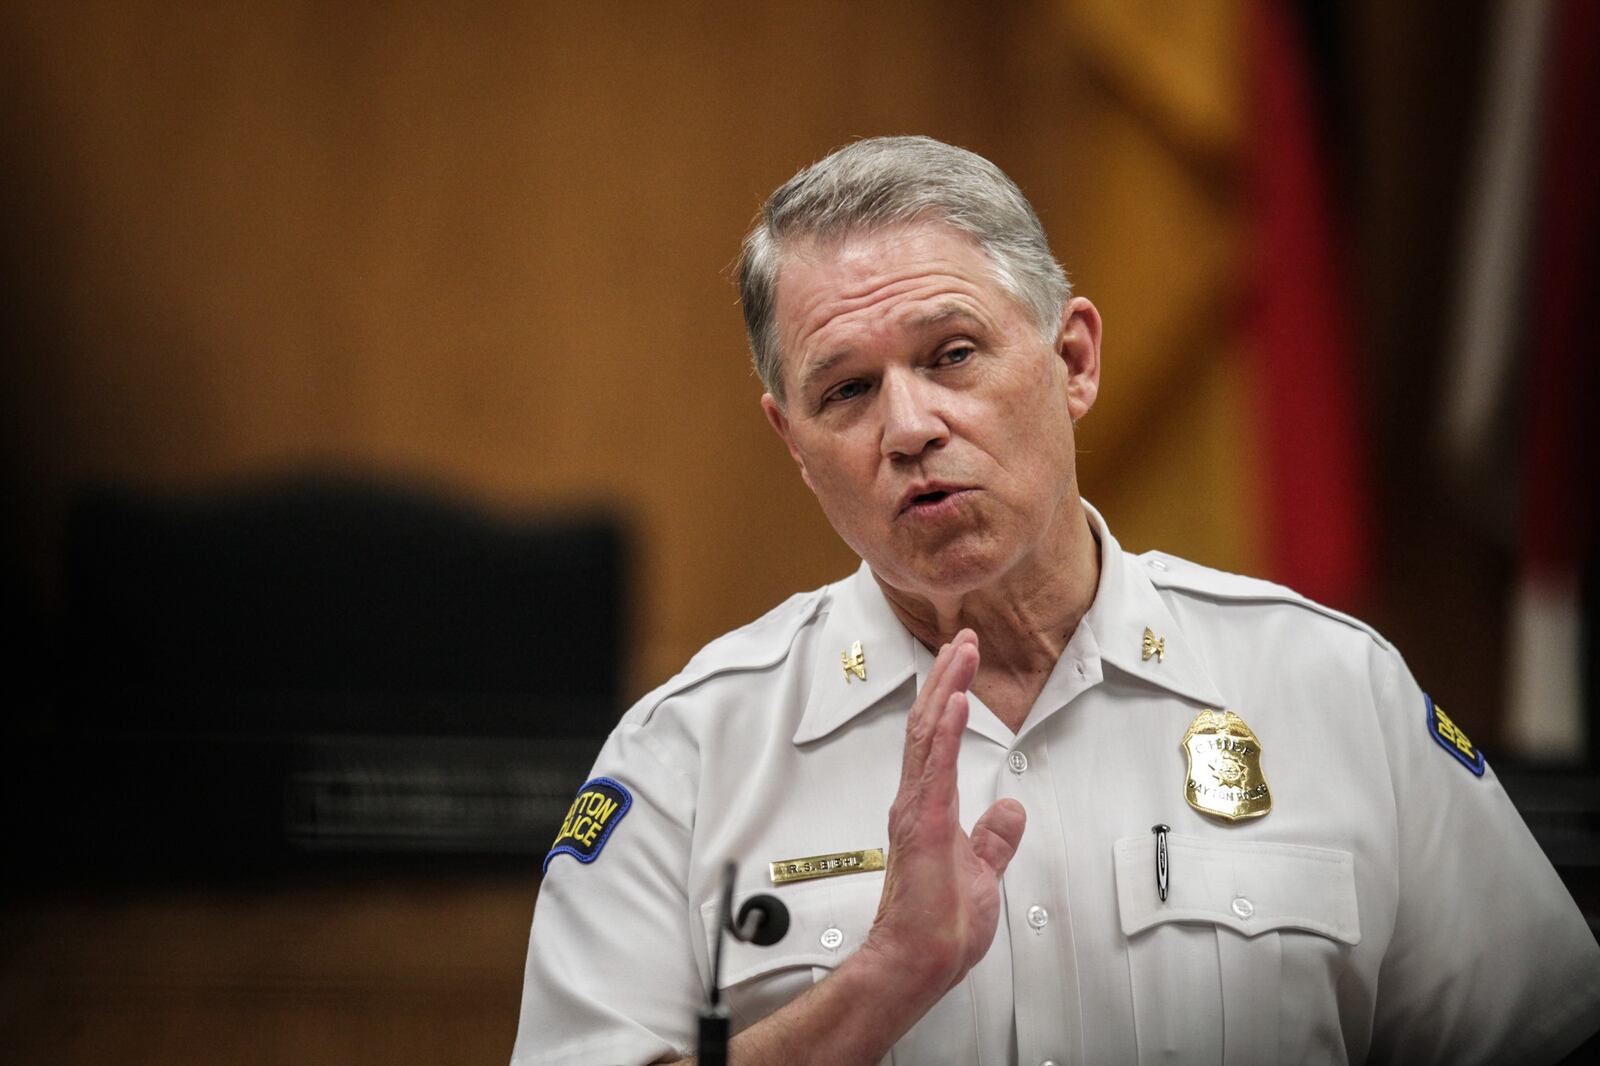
(1316, 510)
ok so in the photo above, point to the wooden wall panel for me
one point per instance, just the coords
(483, 247)
(387, 972)
(1125, 133)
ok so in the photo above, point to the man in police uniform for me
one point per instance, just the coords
(1027, 798)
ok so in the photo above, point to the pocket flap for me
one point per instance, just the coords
(1249, 886)
(828, 919)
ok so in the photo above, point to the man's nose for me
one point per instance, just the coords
(911, 419)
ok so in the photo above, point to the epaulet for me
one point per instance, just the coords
(1180, 575)
(758, 645)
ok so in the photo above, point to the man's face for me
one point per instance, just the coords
(927, 414)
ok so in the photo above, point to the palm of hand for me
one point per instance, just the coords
(941, 896)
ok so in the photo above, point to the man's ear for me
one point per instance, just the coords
(1078, 346)
(780, 425)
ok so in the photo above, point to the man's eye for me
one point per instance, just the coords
(957, 355)
(848, 391)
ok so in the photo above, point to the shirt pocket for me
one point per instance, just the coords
(1240, 964)
(828, 920)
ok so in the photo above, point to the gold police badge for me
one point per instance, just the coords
(1225, 777)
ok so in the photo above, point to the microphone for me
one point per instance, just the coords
(763, 920)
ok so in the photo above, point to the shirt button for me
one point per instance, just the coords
(1157, 564)
(1017, 761)
(832, 937)
(1243, 907)
(1048, 1062)
(1038, 917)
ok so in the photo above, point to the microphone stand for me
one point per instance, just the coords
(763, 920)
(713, 1044)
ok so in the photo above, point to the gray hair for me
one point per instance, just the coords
(884, 181)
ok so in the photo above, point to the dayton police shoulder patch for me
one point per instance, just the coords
(1451, 738)
(593, 815)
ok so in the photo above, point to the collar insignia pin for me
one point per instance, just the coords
(1153, 645)
(855, 662)
(1225, 779)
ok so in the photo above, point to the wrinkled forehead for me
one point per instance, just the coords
(836, 293)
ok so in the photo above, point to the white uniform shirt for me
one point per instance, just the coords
(1391, 906)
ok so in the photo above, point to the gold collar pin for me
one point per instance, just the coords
(1153, 645)
(855, 662)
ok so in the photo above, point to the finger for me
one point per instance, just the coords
(953, 671)
(929, 706)
(997, 834)
(963, 664)
(939, 774)
(915, 752)
(941, 662)
(937, 674)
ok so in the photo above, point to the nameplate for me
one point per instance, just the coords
(840, 862)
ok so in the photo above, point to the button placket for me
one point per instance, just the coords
(1035, 893)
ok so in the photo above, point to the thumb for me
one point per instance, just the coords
(996, 835)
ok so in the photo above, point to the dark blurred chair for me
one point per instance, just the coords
(329, 665)
(323, 604)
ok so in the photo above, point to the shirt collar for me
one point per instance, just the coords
(1126, 603)
(859, 612)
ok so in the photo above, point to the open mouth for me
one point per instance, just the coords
(930, 502)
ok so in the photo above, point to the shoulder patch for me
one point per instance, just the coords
(1451, 738)
(590, 820)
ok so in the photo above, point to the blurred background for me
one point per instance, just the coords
(378, 424)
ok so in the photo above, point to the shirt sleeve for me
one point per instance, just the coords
(1490, 960)
(610, 977)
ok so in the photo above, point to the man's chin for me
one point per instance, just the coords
(951, 570)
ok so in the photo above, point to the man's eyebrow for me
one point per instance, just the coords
(821, 367)
(938, 316)
(934, 316)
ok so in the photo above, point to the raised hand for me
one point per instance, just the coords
(940, 903)
(941, 893)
